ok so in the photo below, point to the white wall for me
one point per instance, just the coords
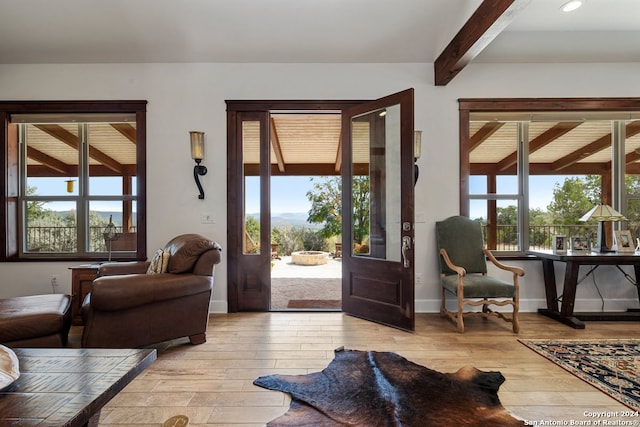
(184, 97)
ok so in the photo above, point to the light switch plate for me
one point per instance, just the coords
(207, 218)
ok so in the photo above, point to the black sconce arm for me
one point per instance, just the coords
(199, 169)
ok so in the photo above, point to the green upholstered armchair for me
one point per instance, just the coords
(463, 272)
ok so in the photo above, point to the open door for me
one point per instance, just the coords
(378, 210)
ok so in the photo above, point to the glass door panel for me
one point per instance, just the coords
(251, 186)
(375, 184)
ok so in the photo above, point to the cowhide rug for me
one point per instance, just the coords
(368, 388)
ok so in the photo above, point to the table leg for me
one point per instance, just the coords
(550, 284)
(565, 315)
(93, 421)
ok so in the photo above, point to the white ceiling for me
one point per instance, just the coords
(298, 31)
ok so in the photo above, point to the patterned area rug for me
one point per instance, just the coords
(613, 366)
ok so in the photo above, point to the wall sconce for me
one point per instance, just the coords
(70, 185)
(417, 151)
(197, 154)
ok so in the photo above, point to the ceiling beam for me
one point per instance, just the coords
(491, 17)
(42, 171)
(305, 169)
(539, 142)
(275, 143)
(48, 161)
(543, 169)
(71, 140)
(483, 134)
(599, 144)
(125, 130)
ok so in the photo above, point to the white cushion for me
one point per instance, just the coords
(9, 367)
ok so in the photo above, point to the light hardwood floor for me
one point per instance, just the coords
(211, 383)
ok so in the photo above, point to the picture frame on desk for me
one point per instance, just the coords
(624, 241)
(559, 244)
(580, 245)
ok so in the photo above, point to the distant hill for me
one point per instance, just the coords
(294, 219)
(116, 216)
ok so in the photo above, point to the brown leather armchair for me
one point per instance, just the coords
(128, 307)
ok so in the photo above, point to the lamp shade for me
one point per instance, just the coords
(197, 145)
(603, 212)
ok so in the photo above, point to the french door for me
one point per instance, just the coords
(378, 282)
(378, 271)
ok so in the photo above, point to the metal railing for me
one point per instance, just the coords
(64, 239)
(540, 236)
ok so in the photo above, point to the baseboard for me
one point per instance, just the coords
(526, 305)
(532, 305)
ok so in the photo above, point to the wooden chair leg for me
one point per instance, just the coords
(460, 323)
(459, 316)
(198, 339)
(443, 310)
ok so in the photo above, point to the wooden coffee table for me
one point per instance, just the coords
(68, 387)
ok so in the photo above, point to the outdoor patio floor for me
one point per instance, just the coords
(304, 282)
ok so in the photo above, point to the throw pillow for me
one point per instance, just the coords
(9, 367)
(159, 262)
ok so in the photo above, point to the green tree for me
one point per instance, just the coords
(507, 215)
(35, 209)
(252, 229)
(572, 199)
(361, 201)
(326, 206)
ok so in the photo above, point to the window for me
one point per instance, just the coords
(75, 180)
(530, 168)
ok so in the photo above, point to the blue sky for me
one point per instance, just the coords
(288, 194)
(102, 186)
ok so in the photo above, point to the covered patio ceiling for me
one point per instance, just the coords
(571, 143)
(310, 144)
(52, 149)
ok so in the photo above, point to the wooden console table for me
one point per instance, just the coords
(81, 278)
(573, 262)
(68, 386)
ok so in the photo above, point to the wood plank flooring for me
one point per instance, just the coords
(211, 383)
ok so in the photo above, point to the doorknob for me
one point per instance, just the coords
(406, 246)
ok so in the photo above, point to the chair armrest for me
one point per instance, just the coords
(128, 267)
(459, 270)
(111, 293)
(515, 270)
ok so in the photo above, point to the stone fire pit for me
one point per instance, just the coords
(309, 257)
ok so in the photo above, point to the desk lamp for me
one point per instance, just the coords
(603, 213)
